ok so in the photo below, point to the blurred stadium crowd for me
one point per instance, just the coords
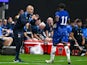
(40, 30)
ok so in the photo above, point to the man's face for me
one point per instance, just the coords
(10, 20)
(5, 22)
(50, 21)
(21, 11)
(30, 9)
(79, 24)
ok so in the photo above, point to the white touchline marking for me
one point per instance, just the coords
(12, 63)
(37, 62)
(81, 60)
(22, 63)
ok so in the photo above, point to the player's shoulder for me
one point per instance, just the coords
(61, 12)
(65, 12)
(57, 13)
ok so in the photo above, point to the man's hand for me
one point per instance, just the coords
(34, 17)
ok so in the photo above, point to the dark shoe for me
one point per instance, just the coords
(69, 63)
(18, 60)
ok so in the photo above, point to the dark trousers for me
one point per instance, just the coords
(18, 38)
(72, 42)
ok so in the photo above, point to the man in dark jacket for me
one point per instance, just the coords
(27, 17)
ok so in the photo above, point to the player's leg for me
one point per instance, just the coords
(18, 41)
(67, 50)
(52, 55)
(53, 49)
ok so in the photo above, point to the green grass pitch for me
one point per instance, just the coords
(40, 60)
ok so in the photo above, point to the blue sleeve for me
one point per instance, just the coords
(69, 29)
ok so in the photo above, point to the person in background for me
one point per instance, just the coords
(49, 27)
(77, 36)
(28, 32)
(42, 33)
(69, 29)
(85, 35)
(38, 22)
(7, 28)
(18, 15)
(38, 31)
(5, 24)
(5, 41)
(11, 24)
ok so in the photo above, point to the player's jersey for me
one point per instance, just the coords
(63, 18)
(60, 30)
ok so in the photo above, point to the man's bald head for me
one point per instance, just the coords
(30, 9)
(50, 21)
(42, 25)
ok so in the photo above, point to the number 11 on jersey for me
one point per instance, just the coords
(64, 20)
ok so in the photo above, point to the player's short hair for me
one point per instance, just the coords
(78, 21)
(61, 5)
